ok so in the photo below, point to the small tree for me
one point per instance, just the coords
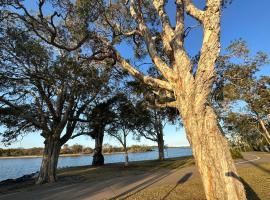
(125, 121)
(76, 148)
(152, 119)
(97, 118)
(65, 149)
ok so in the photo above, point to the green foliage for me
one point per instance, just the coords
(238, 83)
(236, 154)
(107, 148)
(21, 152)
(38, 151)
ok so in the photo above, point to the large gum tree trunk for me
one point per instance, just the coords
(47, 173)
(212, 155)
(98, 158)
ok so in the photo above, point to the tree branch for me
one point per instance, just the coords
(166, 71)
(193, 11)
(168, 32)
(146, 79)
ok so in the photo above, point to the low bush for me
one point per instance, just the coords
(236, 154)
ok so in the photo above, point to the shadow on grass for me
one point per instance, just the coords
(258, 166)
(180, 181)
(250, 193)
(169, 165)
(141, 186)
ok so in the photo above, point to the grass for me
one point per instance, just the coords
(256, 181)
(89, 173)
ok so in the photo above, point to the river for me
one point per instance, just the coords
(17, 167)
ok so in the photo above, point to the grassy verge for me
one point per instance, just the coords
(256, 180)
(89, 173)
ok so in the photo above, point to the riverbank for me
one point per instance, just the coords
(91, 154)
(107, 151)
(40, 156)
(174, 179)
(68, 155)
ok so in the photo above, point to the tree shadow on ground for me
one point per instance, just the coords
(258, 166)
(250, 193)
(141, 186)
(182, 180)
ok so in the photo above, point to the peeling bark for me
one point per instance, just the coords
(212, 155)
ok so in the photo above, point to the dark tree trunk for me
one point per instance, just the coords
(126, 157)
(160, 141)
(98, 158)
(47, 173)
(125, 148)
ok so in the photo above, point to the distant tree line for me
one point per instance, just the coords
(74, 149)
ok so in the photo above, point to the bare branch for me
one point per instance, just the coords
(146, 79)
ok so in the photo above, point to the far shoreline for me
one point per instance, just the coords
(75, 155)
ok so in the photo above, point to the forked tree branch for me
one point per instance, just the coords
(166, 71)
(167, 32)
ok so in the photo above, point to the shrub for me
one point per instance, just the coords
(236, 154)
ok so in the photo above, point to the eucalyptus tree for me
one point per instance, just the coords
(244, 131)
(190, 86)
(239, 82)
(42, 91)
(146, 25)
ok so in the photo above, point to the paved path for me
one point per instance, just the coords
(120, 186)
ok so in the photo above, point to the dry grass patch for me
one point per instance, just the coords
(256, 180)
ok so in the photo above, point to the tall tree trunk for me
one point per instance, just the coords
(126, 156)
(47, 173)
(98, 158)
(125, 148)
(160, 141)
(212, 155)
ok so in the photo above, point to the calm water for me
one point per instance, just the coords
(17, 167)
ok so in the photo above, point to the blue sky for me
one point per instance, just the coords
(246, 19)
